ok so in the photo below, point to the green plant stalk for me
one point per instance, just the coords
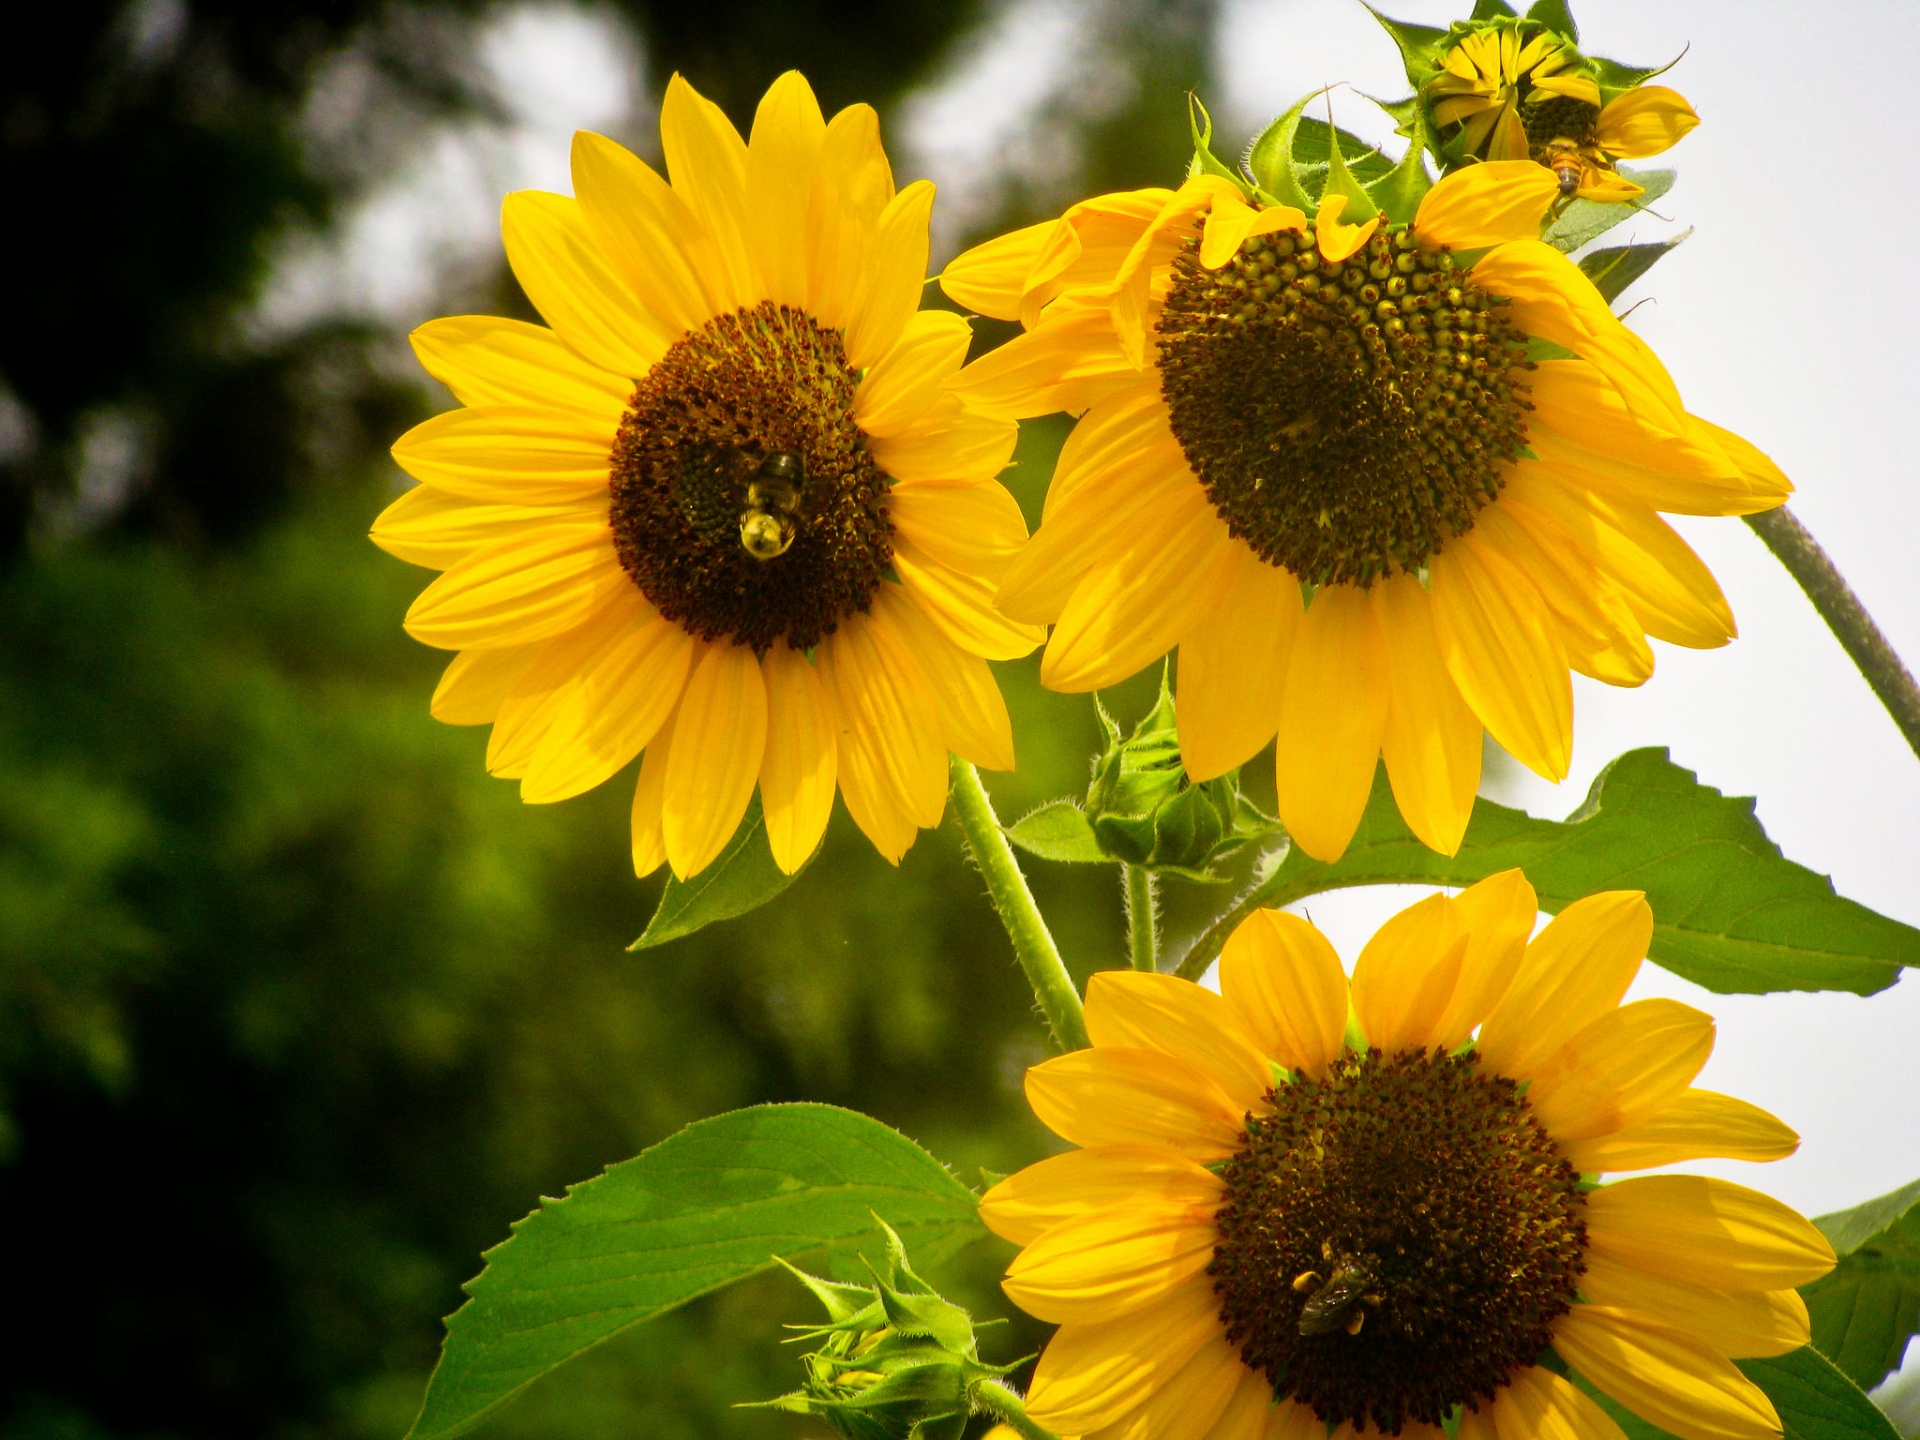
(1143, 919)
(1007, 887)
(1008, 1408)
(1846, 617)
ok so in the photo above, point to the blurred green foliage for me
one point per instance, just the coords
(299, 1010)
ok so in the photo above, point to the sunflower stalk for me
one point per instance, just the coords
(1143, 917)
(1013, 901)
(1866, 645)
(1008, 1408)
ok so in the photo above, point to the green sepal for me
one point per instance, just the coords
(742, 878)
(1058, 830)
(1555, 15)
(1492, 10)
(841, 1302)
(1340, 181)
(1584, 221)
(1616, 79)
(1866, 1309)
(1204, 161)
(1613, 269)
(1270, 157)
(1400, 191)
(1421, 46)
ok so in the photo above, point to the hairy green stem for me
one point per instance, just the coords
(1008, 1408)
(1143, 919)
(1794, 548)
(1026, 927)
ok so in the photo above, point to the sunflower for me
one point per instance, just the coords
(1280, 410)
(1301, 1203)
(1516, 96)
(729, 509)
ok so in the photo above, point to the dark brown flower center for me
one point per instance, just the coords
(746, 503)
(1548, 117)
(1347, 418)
(1397, 1239)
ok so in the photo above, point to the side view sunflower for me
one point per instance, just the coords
(1318, 459)
(730, 508)
(1302, 1207)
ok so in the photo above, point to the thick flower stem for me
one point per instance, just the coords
(1143, 919)
(1794, 548)
(1009, 1409)
(1026, 927)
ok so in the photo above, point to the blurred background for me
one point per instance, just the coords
(299, 1010)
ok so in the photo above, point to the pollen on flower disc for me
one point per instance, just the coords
(743, 389)
(1346, 417)
(1397, 1239)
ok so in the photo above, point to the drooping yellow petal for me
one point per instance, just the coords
(1026, 1205)
(1504, 654)
(477, 682)
(1740, 1324)
(508, 455)
(1574, 972)
(721, 736)
(1498, 915)
(1233, 666)
(974, 720)
(1405, 977)
(1666, 1377)
(520, 590)
(1111, 1262)
(1071, 360)
(649, 843)
(800, 767)
(896, 276)
(1432, 740)
(1645, 121)
(649, 234)
(487, 360)
(1090, 247)
(1698, 1125)
(1111, 1096)
(433, 527)
(1232, 222)
(1486, 204)
(560, 265)
(902, 384)
(1540, 1405)
(707, 161)
(1281, 977)
(1626, 1066)
(1339, 240)
(853, 186)
(1092, 1374)
(1133, 283)
(1144, 1011)
(1332, 717)
(1706, 1232)
(783, 153)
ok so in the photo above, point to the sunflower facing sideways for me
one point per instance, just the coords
(728, 509)
(1304, 1208)
(1322, 460)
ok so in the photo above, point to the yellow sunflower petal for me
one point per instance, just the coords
(1087, 250)
(1111, 1096)
(1740, 1324)
(1432, 740)
(1645, 121)
(519, 590)
(1595, 623)
(853, 185)
(1487, 204)
(1111, 1262)
(571, 283)
(1188, 1402)
(1504, 653)
(1768, 480)
(990, 279)
(1498, 914)
(708, 162)
(891, 760)
(648, 232)
(1698, 1125)
(649, 843)
(800, 767)
(977, 529)
(947, 442)
(486, 360)
(722, 735)
(974, 720)
(477, 683)
(1249, 1410)
(1158, 243)
(896, 277)
(962, 604)
(548, 690)
(1706, 1232)
(1281, 977)
(1125, 425)
(904, 382)
(1405, 977)
(1626, 1066)
(783, 153)
(1093, 1374)
(1339, 240)
(1143, 1011)
(1233, 666)
(1071, 360)
(1333, 715)
(1670, 1379)
(432, 527)
(1540, 1405)
(1290, 1421)
(1574, 972)
(1026, 1205)
(508, 455)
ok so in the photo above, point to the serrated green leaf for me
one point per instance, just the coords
(1814, 1401)
(1058, 830)
(1585, 221)
(743, 878)
(707, 1207)
(1730, 912)
(1867, 1308)
(1613, 269)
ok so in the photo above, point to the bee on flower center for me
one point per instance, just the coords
(768, 523)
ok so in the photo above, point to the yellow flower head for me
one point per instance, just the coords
(1277, 410)
(1302, 1203)
(730, 508)
(1516, 91)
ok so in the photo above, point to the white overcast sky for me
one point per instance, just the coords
(1787, 316)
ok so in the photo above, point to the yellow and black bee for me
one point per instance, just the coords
(1337, 1300)
(1568, 164)
(769, 520)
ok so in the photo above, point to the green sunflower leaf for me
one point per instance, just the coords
(1059, 830)
(1618, 266)
(1868, 1307)
(1584, 221)
(1730, 912)
(741, 879)
(704, 1208)
(1813, 1399)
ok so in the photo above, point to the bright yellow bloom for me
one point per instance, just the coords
(730, 509)
(1271, 404)
(1302, 1203)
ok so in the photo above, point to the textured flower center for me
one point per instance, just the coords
(1396, 1239)
(1347, 418)
(1550, 117)
(746, 504)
